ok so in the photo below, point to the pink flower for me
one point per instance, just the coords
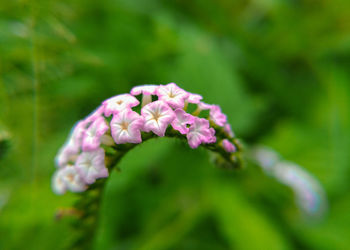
(194, 98)
(57, 183)
(204, 106)
(118, 103)
(76, 136)
(126, 127)
(181, 121)
(66, 155)
(228, 146)
(217, 116)
(158, 115)
(145, 90)
(172, 95)
(93, 134)
(91, 165)
(67, 178)
(72, 147)
(199, 133)
(213, 137)
(228, 130)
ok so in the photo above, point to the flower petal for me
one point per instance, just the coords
(181, 121)
(118, 103)
(91, 165)
(194, 98)
(228, 146)
(72, 147)
(228, 130)
(93, 134)
(158, 115)
(126, 127)
(199, 133)
(173, 95)
(145, 90)
(217, 116)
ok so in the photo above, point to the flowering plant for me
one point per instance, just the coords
(116, 126)
(98, 142)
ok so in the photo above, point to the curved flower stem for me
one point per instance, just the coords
(88, 204)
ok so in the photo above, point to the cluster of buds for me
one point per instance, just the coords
(165, 110)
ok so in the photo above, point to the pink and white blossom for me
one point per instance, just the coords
(228, 146)
(66, 155)
(91, 165)
(194, 98)
(57, 183)
(145, 90)
(118, 103)
(173, 95)
(72, 147)
(217, 116)
(181, 121)
(67, 178)
(126, 127)
(93, 134)
(204, 106)
(82, 159)
(213, 137)
(199, 132)
(158, 115)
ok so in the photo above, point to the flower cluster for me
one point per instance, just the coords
(163, 107)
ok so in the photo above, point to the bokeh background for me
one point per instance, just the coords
(280, 69)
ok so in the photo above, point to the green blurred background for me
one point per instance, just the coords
(280, 69)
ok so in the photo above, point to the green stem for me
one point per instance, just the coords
(88, 204)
